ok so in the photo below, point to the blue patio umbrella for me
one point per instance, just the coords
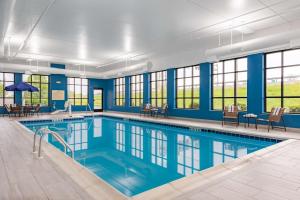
(22, 86)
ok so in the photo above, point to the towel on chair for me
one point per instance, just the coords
(231, 108)
(276, 111)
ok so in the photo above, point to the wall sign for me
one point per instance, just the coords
(58, 95)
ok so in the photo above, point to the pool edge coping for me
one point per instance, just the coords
(59, 157)
(171, 186)
(186, 184)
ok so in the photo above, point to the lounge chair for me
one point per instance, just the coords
(164, 110)
(16, 110)
(8, 110)
(146, 109)
(37, 109)
(231, 115)
(275, 116)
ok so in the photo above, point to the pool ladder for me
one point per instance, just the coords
(46, 131)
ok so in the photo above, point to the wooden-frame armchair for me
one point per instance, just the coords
(231, 115)
(275, 116)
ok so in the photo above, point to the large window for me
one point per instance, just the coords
(283, 80)
(42, 96)
(229, 84)
(120, 91)
(136, 88)
(158, 83)
(78, 91)
(6, 97)
(188, 87)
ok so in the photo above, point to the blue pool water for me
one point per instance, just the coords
(135, 156)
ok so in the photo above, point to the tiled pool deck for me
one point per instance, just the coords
(271, 173)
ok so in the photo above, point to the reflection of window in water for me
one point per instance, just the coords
(188, 154)
(137, 143)
(120, 137)
(159, 148)
(78, 139)
(97, 127)
(223, 152)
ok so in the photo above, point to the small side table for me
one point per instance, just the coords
(248, 117)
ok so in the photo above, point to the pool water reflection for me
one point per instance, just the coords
(134, 156)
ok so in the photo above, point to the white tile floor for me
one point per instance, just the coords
(271, 173)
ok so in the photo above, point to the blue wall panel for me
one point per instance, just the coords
(255, 93)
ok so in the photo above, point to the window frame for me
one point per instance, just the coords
(136, 99)
(164, 82)
(281, 67)
(192, 84)
(81, 94)
(223, 73)
(4, 91)
(118, 99)
(40, 91)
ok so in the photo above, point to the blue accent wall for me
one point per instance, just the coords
(255, 93)
(57, 82)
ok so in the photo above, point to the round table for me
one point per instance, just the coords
(248, 117)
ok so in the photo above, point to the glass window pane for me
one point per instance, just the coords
(179, 103)
(84, 92)
(84, 81)
(218, 68)
(273, 84)
(217, 104)
(229, 90)
(196, 71)
(229, 66)
(272, 103)
(36, 78)
(228, 102)
(188, 91)
(44, 79)
(9, 77)
(241, 64)
(292, 104)
(77, 81)
(44, 91)
(242, 103)
(188, 72)
(241, 89)
(291, 57)
(291, 81)
(77, 91)
(196, 91)
(70, 80)
(273, 60)
(71, 91)
(195, 103)
(26, 78)
(188, 103)
(242, 76)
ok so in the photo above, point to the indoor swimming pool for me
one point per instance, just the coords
(134, 156)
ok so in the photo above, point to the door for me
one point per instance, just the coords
(98, 100)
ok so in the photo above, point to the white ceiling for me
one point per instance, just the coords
(110, 35)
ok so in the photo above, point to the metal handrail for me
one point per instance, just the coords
(46, 131)
(89, 107)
